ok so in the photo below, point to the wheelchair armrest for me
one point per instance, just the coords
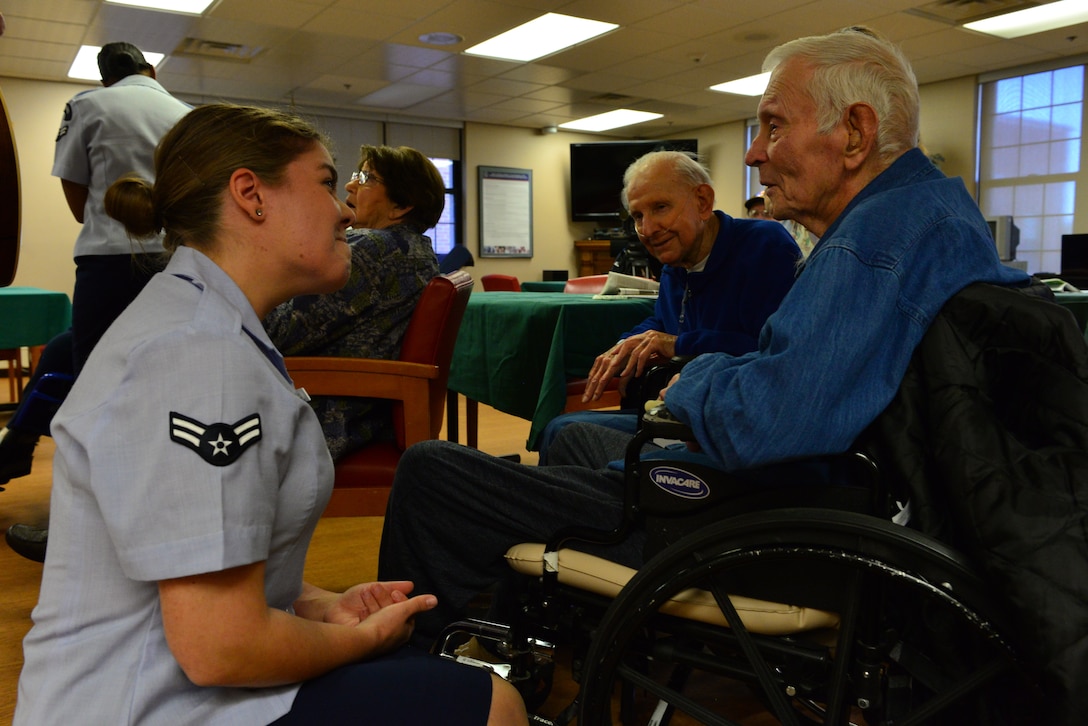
(660, 423)
(656, 423)
(647, 387)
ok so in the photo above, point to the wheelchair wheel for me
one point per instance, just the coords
(920, 638)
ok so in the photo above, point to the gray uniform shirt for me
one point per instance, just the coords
(182, 449)
(105, 134)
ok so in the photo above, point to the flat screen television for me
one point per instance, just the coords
(1006, 236)
(596, 175)
(1075, 256)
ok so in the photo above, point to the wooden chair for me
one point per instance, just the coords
(589, 285)
(416, 381)
(500, 283)
(13, 358)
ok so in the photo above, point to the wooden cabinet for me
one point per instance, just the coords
(594, 256)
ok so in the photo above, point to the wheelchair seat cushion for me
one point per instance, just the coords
(605, 578)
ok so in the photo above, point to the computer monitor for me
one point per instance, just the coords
(1006, 235)
(1075, 258)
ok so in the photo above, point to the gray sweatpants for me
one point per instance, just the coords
(455, 511)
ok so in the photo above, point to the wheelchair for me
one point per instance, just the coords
(799, 590)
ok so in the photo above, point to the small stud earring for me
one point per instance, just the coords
(260, 212)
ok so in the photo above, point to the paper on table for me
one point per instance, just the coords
(622, 285)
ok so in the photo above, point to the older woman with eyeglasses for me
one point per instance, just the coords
(397, 194)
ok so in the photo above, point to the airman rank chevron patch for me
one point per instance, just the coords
(218, 444)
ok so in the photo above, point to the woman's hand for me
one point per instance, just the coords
(222, 632)
(383, 607)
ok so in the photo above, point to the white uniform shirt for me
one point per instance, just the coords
(181, 449)
(107, 133)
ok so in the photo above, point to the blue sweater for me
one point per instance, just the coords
(722, 309)
(832, 357)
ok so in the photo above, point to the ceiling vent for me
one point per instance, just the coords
(214, 50)
(958, 12)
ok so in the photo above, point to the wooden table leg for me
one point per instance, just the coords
(451, 416)
(472, 420)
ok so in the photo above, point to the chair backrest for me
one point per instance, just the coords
(500, 283)
(431, 336)
(588, 285)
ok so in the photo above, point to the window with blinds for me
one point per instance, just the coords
(1030, 157)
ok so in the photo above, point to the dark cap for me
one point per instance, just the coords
(753, 202)
(120, 60)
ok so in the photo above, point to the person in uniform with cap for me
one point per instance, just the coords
(106, 132)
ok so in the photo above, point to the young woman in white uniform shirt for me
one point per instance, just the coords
(190, 475)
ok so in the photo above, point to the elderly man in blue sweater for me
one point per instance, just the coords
(722, 278)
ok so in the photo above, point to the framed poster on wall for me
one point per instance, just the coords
(506, 212)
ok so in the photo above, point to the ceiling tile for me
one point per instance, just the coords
(332, 53)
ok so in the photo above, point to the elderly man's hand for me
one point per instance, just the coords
(629, 357)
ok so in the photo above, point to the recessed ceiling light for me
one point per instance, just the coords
(750, 86)
(85, 66)
(546, 35)
(1033, 20)
(610, 120)
(188, 7)
(441, 38)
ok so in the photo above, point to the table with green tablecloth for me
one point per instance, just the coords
(516, 350)
(1077, 303)
(30, 316)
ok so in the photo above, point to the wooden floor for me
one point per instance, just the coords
(343, 552)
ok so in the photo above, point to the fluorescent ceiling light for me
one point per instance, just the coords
(610, 120)
(750, 86)
(189, 7)
(543, 36)
(85, 66)
(1033, 20)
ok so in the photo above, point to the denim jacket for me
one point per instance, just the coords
(832, 357)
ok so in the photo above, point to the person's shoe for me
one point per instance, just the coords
(28, 540)
(16, 454)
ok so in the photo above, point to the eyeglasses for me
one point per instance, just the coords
(363, 176)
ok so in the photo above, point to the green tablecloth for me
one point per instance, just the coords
(1077, 303)
(516, 350)
(30, 316)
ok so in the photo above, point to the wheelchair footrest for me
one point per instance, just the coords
(527, 663)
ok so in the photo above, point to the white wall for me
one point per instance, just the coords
(548, 155)
(49, 231)
(948, 124)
